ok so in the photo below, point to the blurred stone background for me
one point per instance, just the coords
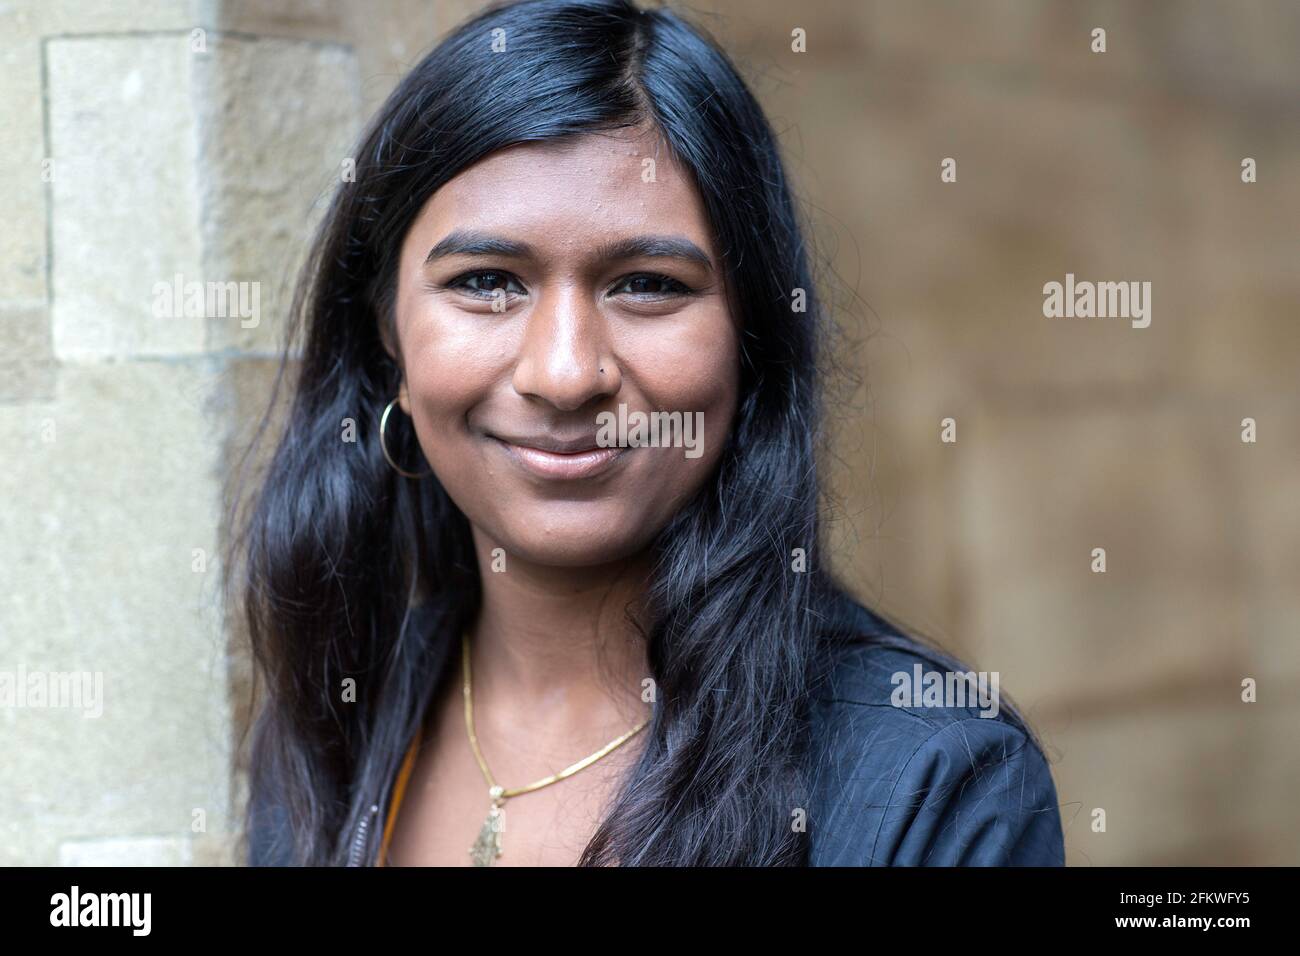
(146, 139)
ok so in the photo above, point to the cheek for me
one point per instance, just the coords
(448, 361)
(694, 370)
(441, 386)
(448, 372)
(692, 367)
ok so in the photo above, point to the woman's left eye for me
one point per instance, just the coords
(651, 285)
(490, 282)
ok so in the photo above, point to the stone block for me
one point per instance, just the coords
(125, 197)
(276, 120)
(110, 569)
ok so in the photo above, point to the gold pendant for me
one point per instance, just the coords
(487, 847)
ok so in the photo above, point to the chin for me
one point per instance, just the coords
(573, 541)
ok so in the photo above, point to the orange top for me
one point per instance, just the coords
(399, 790)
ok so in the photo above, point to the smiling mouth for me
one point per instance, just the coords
(562, 466)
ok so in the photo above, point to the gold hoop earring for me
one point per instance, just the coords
(383, 423)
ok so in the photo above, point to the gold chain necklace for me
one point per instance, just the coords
(487, 847)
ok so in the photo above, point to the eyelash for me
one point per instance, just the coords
(676, 287)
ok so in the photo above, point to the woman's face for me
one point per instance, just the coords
(548, 284)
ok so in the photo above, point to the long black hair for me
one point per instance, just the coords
(350, 571)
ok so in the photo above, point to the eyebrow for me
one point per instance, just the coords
(468, 242)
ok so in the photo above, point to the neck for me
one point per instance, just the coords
(553, 650)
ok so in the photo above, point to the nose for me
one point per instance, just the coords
(566, 358)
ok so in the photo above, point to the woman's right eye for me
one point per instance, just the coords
(489, 283)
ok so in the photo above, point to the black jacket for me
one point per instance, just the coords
(894, 784)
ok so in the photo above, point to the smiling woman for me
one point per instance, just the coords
(572, 209)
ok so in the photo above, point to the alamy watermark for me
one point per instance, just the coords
(958, 689)
(212, 300)
(83, 690)
(76, 908)
(1102, 300)
(654, 429)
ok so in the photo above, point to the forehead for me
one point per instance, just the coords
(582, 189)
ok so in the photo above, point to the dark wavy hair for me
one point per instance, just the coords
(348, 570)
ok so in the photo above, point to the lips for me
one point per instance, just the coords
(560, 460)
(554, 443)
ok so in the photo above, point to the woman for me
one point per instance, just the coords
(477, 599)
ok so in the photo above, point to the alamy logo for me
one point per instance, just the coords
(83, 690)
(1086, 300)
(102, 909)
(959, 689)
(213, 300)
(653, 429)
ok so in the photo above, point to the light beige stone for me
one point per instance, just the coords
(1264, 499)
(25, 25)
(127, 851)
(1172, 782)
(125, 194)
(119, 484)
(275, 120)
(22, 152)
(1268, 789)
(27, 367)
(1043, 485)
(67, 17)
(386, 47)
